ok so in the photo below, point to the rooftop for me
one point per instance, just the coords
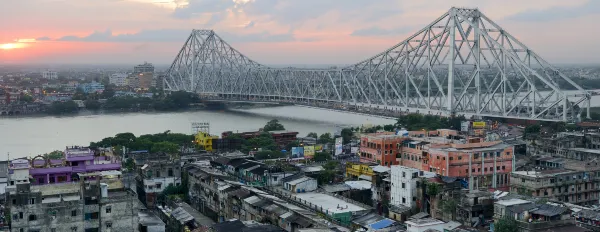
(147, 218)
(329, 203)
(543, 173)
(512, 202)
(424, 222)
(578, 149)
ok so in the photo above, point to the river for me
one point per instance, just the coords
(31, 136)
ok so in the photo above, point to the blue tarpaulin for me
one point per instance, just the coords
(382, 224)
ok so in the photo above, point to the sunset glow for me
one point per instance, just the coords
(9, 46)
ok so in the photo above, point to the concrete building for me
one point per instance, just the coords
(50, 75)
(118, 79)
(404, 185)
(3, 176)
(154, 174)
(381, 148)
(92, 87)
(98, 202)
(142, 68)
(300, 185)
(532, 216)
(145, 79)
(425, 224)
(149, 222)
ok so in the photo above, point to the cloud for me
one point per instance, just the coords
(249, 25)
(377, 31)
(174, 35)
(557, 13)
(197, 7)
(45, 38)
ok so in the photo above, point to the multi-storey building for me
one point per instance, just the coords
(146, 79)
(404, 185)
(50, 75)
(98, 202)
(92, 87)
(142, 68)
(118, 79)
(485, 164)
(155, 173)
(571, 181)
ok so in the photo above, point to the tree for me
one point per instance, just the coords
(273, 125)
(325, 138)
(27, 98)
(54, 155)
(166, 147)
(67, 107)
(91, 104)
(506, 224)
(312, 135)
(266, 154)
(532, 129)
(388, 127)
(346, 135)
(449, 207)
(322, 156)
(433, 189)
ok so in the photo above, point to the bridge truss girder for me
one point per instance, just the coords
(462, 63)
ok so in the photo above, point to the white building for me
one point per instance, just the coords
(300, 185)
(404, 185)
(50, 75)
(421, 225)
(118, 79)
(18, 172)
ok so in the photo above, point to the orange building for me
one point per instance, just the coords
(483, 164)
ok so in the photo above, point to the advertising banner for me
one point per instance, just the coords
(464, 126)
(338, 146)
(309, 152)
(354, 150)
(319, 148)
(297, 152)
(478, 124)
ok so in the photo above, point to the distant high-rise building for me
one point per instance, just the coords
(142, 68)
(50, 75)
(145, 79)
(118, 79)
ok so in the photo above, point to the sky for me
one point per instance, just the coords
(273, 31)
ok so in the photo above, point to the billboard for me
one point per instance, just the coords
(478, 124)
(464, 126)
(309, 152)
(297, 152)
(338, 146)
(319, 148)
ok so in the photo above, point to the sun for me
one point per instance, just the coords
(9, 46)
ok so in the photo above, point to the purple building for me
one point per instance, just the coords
(77, 160)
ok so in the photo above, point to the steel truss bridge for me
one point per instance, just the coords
(461, 64)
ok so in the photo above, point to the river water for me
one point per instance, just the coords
(37, 135)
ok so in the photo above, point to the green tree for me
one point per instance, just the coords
(532, 129)
(346, 135)
(322, 156)
(67, 107)
(91, 104)
(273, 125)
(388, 127)
(27, 98)
(449, 207)
(166, 147)
(54, 155)
(433, 189)
(312, 135)
(325, 138)
(266, 154)
(506, 224)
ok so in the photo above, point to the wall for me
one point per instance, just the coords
(305, 186)
(411, 228)
(403, 175)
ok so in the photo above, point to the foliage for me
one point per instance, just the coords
(346, 135)
(67, 107)
(166, 147)
(322, 156)
(532, 129)
(327, 175)
(129, 164)
(449, 207)
(264, 141)
(27, 98)
(415, 121)
(312, 135)
(273, 125)
(91, 104)
(171, 192)
(292, 144)
(433, 189)
(55, 155)
(389, 128)
(325, 138)
(506, 224)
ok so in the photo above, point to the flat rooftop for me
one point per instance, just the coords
(544, 173)
(512, 202)
(329, 203)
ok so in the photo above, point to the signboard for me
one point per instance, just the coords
(478, 124)
(354, 150)
(464, 126)
(297, 152)
(338, 146)
(200, 127)
(319, 148)
(309, 152)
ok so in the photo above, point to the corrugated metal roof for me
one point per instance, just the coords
(252, 199)
(181, 215)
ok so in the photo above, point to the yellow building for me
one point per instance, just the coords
(356, 170)
(205, 140)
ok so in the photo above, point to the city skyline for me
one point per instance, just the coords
(271, 31)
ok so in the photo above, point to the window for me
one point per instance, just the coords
(403, 185)
(108, 209)
(403, 174)
(21, 230)
(451, 158)
(108, 224)
(157, 173)
(73, 213)
(74, 228)
(14, 201)
(52, 229)
(170, 172)
(403, 200)
(20, 215)
(158, 185)
(32, 201)
(32, 217)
